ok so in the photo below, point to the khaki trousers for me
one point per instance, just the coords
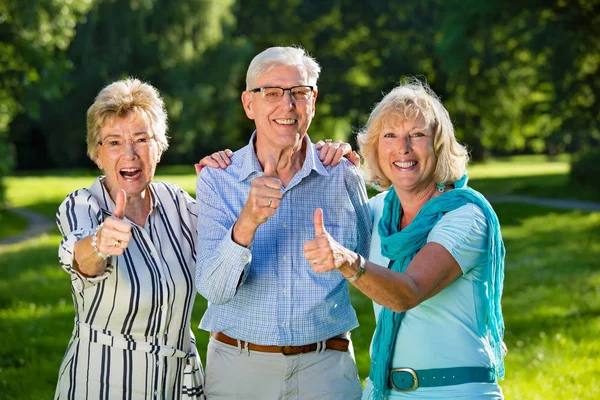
(234, 373)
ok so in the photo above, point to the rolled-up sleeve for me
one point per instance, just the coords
(78, 217)
(221, 262)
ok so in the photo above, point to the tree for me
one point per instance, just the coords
(31, 56)
(174, 45)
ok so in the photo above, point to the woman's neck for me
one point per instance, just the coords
(137, 207)
(412, 204)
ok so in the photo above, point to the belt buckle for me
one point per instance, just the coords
(410, 371)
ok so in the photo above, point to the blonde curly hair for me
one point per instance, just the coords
(408, 101)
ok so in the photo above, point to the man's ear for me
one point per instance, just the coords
(314, 102)
(247, 103)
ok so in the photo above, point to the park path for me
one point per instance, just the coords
(38, 224)
(556, 203)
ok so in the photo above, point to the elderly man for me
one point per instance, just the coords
(279, 330)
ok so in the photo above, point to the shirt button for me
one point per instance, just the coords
(245, 258)
(284, 226)
(284, 258)
(283, 324)
(284, 290)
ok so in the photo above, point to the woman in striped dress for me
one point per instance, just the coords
(128, 245)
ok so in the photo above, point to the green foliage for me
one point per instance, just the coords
(585, 170)
(34, 39)
(516, 77)
(6, 161)
(178, 47)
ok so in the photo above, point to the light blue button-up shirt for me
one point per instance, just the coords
(268, 294)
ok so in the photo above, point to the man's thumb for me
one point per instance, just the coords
(120, 204)
(318, 220)
(270, 165)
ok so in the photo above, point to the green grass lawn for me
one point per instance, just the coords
(551, 298)
(11, 224)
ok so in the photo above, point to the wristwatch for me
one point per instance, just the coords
(361, 269)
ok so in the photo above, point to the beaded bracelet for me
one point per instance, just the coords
(95, 245)
(361, 269)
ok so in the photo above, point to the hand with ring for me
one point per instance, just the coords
(263, 201)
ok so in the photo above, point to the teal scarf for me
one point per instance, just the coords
(401, 247)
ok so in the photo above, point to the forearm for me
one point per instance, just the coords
(85, 259)
(387, 288)
(220, 268)
(244, 230)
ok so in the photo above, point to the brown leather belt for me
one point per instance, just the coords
(338, 344)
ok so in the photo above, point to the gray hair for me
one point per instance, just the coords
(274, 57)
(408, 101)
(122, 99)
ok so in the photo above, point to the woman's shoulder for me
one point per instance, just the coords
(86, 195)
(469, 213)
(376, 202)
(170, 190)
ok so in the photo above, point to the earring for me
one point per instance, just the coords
(441, 187)
(376, 185)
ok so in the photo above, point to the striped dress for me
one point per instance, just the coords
(132, 337)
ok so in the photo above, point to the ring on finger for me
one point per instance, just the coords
(118, 243)
(327, 140)
(315, 261)
(270, 202)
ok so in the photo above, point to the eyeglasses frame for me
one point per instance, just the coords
(261, 90)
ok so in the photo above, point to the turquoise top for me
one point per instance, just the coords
(449, 329)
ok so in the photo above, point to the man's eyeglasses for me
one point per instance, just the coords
(117, 144)
(274, 93)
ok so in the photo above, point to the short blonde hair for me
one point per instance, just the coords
(122, 99)
(408, 101)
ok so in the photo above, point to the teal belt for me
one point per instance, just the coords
(408, 379)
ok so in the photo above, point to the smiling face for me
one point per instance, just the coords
(281, 124)
(127, 167)
(406, 154)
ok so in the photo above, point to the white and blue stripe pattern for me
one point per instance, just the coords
(132, 337)
(279, 300)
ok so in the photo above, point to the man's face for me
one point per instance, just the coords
(283, 123)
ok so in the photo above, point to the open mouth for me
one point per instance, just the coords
(405, 164)
(130, 173)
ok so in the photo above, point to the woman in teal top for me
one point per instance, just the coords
(436, 268)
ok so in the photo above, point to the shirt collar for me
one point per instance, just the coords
(251, 166)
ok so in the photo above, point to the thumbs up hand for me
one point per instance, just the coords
(265, 195)
(323, 252)
(114, 236)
